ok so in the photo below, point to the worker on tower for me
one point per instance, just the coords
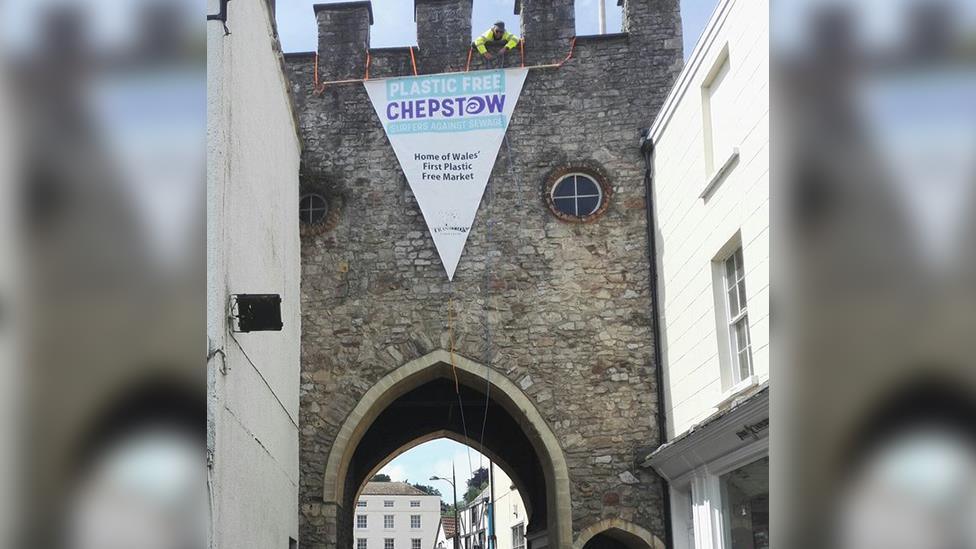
(494, 36)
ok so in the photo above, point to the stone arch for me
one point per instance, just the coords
(440, 365)
(626, 533)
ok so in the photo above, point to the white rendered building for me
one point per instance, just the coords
(395, 515)
(253, 246)
(709, 148)
(510, 518)
(445, 534)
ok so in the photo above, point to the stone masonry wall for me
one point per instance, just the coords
(568, 304)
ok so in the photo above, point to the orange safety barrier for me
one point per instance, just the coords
(319, 87)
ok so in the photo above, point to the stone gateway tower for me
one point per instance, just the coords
(540, 353)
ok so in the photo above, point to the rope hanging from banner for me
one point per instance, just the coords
(450, 336)
(319, 87)
(457, 385)
(522, 51)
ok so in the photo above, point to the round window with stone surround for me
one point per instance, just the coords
(577, 194)
(312, 208)
(318, 212)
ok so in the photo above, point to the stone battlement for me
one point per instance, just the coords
(444, 36)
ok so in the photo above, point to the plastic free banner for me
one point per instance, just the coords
(446, 130)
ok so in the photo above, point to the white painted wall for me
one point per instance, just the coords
(691, 230)
(252, 247)
(402, 533)
(441, 541)
(509, 509)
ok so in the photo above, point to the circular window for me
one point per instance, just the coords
(577, 194)
(312, 209)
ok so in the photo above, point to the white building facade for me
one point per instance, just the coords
(445, 533)
(253, 155)
(710, 182)
(509, 519)
(395, 515)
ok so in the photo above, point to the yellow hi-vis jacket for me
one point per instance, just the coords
(489, 37)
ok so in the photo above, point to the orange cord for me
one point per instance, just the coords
(522, 50)
(315, 82)
(470, 52)
(572, 46)
(413, 61)
(368, 61)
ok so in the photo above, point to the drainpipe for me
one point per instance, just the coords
(647, 152)
(492, 540)
(602, 15)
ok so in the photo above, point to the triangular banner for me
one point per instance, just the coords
(446, 130)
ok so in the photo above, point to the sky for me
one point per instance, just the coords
(432, 458)
(393, 21)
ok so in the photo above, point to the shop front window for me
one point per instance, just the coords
(745, 494)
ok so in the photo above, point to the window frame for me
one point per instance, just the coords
(418, 521)
(713, 157)
(737, 280)
(364, 521)
(361, 543)
(389, 519)
(576, 193)
(704, 514)
(416, 543)
(324, 208)
(387, 503)
(414, 503)
(585, 169)
(733, 382)
(389, 543)
(518, 536)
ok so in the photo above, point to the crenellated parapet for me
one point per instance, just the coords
(443, 34)
(343, 38)
(548, 27)
(444, 37)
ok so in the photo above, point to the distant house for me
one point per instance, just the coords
(509, 521)
(445, 533)
(395, 515)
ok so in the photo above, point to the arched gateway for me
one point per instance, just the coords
(419, 401)
(553, 303)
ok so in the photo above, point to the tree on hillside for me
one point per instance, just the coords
(429, 490)
(477, 483)
(380, 477)
(479, 478)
